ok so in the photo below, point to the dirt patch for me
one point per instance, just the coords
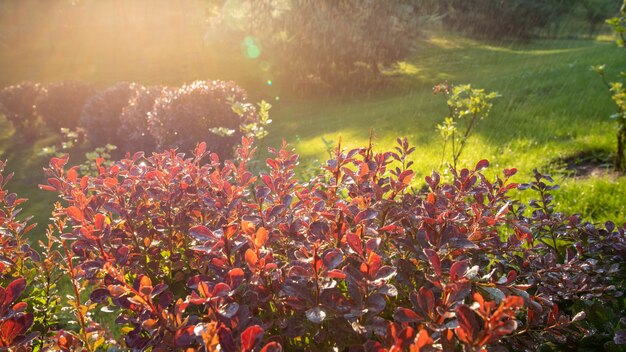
(587, 163)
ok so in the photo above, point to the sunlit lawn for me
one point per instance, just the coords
(551, 106)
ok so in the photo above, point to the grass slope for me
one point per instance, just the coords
(552, 106)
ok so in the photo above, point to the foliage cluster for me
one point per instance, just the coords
(192, 252)
(466, 106)
(184, 116)
(135, 117)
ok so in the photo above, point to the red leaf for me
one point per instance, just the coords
(13, 327)
(405, 315)
(510, 172)
(335, 274)
(75, 213)
(368, 214)
(72, 175)
(406, 177)
(14, 290)
(333, 258)
(47, 188)
(200, 149)
(201, 233)
(19, 307)
(433, 258)
(251, 337)
(230, 230)
(426, 301)
(58, 163)
(251, 258)
(421, 340)
(99, 221)
(145, 285)
(84, 182)
(467, 322)
(272, 347)
(261, 237)
(184, 336)
(268, 181)
(354, 242)
(457, 270)
(481, 165)
(235, 277)
(221, 290)
(374, 263)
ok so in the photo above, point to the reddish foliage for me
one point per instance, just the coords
(191, 254)
(14, 252)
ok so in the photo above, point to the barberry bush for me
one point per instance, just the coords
(211, 111)
(100, 115)
(192, 252)
(17, 103)
(15, 254)
(133, 132)
(61, 104)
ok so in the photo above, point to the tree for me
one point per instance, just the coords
(596, 12)
(516, 19)
(334, 43)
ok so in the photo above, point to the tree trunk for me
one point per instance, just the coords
(620, 159)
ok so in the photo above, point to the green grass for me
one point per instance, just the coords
(551, 106)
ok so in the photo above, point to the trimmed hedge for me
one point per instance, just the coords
(17, 103)
(61, 104)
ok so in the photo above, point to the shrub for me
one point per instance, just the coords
(192, 254)
(62, 103)
(15, 253)
(203, 110)
(100, 116)
(17, 103)
(466, 106)
(134, 120)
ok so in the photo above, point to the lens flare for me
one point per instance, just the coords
(251, 48)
